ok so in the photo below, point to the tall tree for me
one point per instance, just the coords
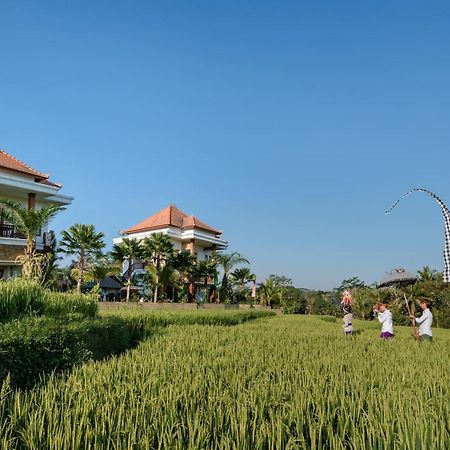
(427, 274)
(128, 250)
(83, 242)
(157, 249)
(30, 222)
(270, 292)
(241, 277)
(184, 263)
(228, 261)
(51, 252)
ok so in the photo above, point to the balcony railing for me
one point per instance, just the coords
(10, 231)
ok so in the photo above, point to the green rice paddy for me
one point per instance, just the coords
(284, 382)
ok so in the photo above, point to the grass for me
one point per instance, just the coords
(280, 382)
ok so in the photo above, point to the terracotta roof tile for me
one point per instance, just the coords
(9, 162)
(170, 216)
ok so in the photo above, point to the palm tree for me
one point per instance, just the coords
(51, 252)
(228, 261)
(157, 249)
(241, 277)
(128, 250)
(30, 222)
(427, 274)
(204, 270)
(184, 263)
(270, 291)
(85, 243)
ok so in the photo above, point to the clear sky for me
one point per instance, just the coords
(291, 126)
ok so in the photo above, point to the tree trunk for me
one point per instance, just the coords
(155, 292)
(80, 272)
(128, 288)
(128, 279)
(191, 291)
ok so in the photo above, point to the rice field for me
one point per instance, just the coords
(284, 382)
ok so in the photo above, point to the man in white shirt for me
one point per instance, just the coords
(425, 321)
(385, 317)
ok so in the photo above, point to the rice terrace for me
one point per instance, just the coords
(203, 379)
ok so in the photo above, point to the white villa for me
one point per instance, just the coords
(21, 183)
(186, 232)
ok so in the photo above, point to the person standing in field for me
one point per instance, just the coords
(348, 319)
(383, 314)
(425, 321)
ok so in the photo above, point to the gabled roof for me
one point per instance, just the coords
(109, 282)
(8, 161)
(170, 216)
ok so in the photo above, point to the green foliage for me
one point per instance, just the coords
(227, 262)
(70, 304)
(35, 346)
(291, 382)
(83, 242)
(363, 301)
(349, 284)
(30, 222)
(19, 298)
(148, 320)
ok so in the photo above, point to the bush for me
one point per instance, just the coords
(19, 298)
(72, 304)
(34, 346)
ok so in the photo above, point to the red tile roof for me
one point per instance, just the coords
(9, 162)
(170, 216)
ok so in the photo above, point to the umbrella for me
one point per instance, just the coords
(397, 278)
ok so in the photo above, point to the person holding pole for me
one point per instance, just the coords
(425, 321)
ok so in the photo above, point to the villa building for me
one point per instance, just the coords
(23, 184)
(186, 232)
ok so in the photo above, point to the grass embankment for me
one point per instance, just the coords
(287, 382)
(43, 331)
(152, 319)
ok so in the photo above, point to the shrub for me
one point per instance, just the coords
(19, 298)
(34, 346)
(72, 304)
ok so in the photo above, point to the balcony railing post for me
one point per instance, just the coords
(10, 231)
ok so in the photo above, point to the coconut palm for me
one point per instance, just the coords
(128, 250)
(184, 263)
(30, 222)
(157, 249)
(271, 292)
(227, 261)
(241, 277)
(427, 274)
(83, 242)
(205, 269)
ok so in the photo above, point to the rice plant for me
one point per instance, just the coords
(284, 382)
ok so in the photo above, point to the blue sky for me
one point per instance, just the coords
(292, 126)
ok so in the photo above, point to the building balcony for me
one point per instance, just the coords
(10, 231)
